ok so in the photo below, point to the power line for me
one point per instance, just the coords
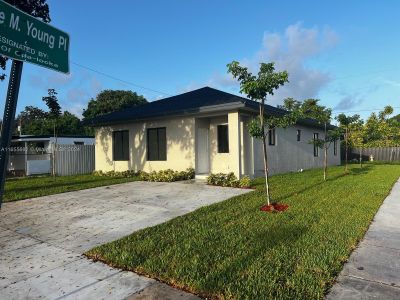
(361, 110)
(119, 79)
(160, 92)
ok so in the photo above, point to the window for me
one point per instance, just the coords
(79, 143)
(335, 147)
(121, 145)
(315, 138)
(298, 135)
(223, 138)
(271, 137)
(157, 143)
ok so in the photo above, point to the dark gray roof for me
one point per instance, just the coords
(200, 100)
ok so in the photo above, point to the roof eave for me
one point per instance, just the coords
(180, 113)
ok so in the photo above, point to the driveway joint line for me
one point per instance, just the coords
(38, 274)
(379, 246)
(23, 247)
(42, 241)
(88, 285)
(373, 281)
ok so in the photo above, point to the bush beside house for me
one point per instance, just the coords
(158, 176)
(228, 180)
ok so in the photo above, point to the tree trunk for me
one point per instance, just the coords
(325, 155)
(346, 150)
(360, 157)
(264, 150)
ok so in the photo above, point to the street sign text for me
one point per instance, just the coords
(25, 38)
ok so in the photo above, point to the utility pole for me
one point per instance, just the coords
(8, 120)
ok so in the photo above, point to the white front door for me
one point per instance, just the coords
(203, 155)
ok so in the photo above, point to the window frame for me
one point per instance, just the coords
(316, 148)
(335, 147)
(124, 155)
(158, 156)
(272, 133)
(298, 135)
(220, 145)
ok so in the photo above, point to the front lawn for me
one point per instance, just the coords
(232, 250)
(30, 187)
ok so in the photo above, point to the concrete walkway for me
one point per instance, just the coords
(373, 270)
(42, 239)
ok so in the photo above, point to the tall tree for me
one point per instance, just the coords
(257, 88)
(109, 101)
(52, 103)
(31, 120)
(36, 121)
(35, 8)
(396, 118)
(379, 130)
(346, 123)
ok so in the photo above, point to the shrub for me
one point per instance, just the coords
(126, 174)
(161, 176)
(167, 175)
(244, 182)
(222, 179)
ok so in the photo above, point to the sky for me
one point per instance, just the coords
(345, 53)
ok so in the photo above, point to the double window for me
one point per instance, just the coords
(271, 137)
(316, 149)
(157, 144)
(223, 138)
(121, 145)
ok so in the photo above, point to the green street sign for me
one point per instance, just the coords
(25, 38)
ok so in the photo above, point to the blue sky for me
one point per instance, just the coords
(345, 53)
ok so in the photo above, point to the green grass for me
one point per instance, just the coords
(231, 250)
(30, 187)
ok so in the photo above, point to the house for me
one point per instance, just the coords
(32, 154)
(205, 129)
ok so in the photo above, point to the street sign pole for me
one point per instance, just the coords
(25, 38)
(8, 120)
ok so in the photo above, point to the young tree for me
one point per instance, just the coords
(35, 8)
(257, 88)
(358, 138)
(323, 116)
(346, 122)
(109, 101)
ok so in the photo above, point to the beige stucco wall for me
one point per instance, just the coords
(226, 162)
(180, 146)
(244, 157)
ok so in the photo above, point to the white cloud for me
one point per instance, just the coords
(290, 51)
(391, 82)
(349, 101)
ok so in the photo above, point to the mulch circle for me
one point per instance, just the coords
(274, 207)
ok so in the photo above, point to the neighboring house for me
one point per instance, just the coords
(32, 154)
(205, 129)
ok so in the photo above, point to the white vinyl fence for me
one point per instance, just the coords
(65, 160)
(378, 153)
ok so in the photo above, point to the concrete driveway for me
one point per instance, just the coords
(42, 239)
